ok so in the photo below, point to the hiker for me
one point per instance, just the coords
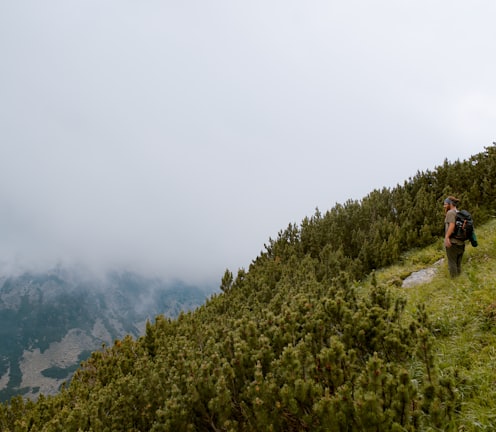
(454, 247)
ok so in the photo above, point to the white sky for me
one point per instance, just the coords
(178, 136)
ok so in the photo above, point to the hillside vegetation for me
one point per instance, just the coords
(462, 315)
(318, 334)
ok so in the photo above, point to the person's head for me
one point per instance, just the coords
(450, 203)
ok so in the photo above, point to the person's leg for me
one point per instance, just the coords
(452, 254)
(461, 250)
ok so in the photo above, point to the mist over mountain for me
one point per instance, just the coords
(51, 321)
(179, 138)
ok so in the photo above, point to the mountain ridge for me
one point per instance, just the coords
(52, 321)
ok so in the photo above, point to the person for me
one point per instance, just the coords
(454, 247)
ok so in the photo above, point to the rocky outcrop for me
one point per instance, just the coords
(422, 276)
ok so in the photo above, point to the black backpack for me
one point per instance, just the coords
(464, 225)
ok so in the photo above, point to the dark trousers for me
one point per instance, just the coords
(455, 255)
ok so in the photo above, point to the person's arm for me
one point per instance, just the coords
(447, 235)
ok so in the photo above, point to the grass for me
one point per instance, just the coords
(463, 313)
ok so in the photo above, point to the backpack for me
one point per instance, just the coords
(464, 225)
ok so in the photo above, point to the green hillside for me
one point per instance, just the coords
(462, 315)
(318, 334)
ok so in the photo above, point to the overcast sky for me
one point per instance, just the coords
(176, 137)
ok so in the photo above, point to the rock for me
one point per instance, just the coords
(422, 276)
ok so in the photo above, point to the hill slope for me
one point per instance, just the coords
(189, 368)
(317, 335)
(463, 320)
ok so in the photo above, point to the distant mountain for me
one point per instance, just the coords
(50, 322)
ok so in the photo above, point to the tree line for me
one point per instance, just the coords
(361, 235)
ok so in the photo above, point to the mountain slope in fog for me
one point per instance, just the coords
(50, 322)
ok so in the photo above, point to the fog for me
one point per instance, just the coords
(175, 138)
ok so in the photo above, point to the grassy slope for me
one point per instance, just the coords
(463, 314)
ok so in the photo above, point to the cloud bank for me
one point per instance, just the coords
(177, 138)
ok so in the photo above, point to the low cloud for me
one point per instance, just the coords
(177, 141)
